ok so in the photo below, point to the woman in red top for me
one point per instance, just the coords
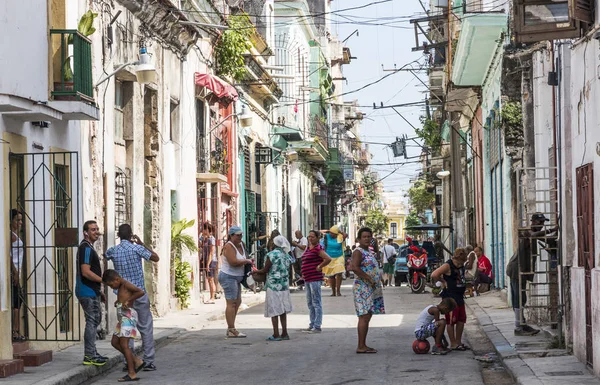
(484, 266)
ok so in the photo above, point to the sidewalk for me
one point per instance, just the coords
(530, 360)
(67, 369)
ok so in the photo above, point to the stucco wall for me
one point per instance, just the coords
(581, 129)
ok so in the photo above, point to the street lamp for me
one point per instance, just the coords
(145, 72)
(244, 117)
(443, 174)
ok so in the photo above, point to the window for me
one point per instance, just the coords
(119, 105)
(174, 120)
(122, 197)
(538, 20)
(201, 145)
(393, 230)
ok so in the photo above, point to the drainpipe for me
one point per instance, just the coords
(556, 97)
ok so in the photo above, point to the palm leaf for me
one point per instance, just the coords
(181, 241)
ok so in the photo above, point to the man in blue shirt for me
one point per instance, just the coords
(127, 259)
(88, 291)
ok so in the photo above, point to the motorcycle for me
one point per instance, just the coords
(417, 272)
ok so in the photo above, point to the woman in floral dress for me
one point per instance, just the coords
(278, 302)
(368, 292)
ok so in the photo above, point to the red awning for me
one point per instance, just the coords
(220, 88)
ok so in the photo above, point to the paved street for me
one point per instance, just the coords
(206, 357)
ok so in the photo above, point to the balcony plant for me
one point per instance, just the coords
(86, 28)
(232, 45)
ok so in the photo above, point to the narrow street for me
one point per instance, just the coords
(206, 357)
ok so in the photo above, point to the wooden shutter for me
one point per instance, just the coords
(582, 10)
(247, 169)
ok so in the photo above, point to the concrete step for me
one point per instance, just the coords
(34, 357)
(20, 347)
(11, 367)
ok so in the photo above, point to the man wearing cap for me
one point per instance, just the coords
(523, 261)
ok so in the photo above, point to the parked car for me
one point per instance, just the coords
(400, 268)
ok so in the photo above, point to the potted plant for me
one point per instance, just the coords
(86, 28)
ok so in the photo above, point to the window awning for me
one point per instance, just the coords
(218, 87)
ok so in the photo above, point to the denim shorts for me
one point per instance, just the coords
(231, 285)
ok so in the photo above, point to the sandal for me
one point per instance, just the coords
(462, 348)
(286, 338)
(234, 333)
(273, 338)
(368, 351)
(16, 337)
(128, 379)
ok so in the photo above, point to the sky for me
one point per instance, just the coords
(386, 46)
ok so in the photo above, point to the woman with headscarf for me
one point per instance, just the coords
(334, 242)
(278, 301)
(231, 275)
(367, 290)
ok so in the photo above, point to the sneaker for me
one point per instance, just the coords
(149, 368)
(307, 330)
(439, 351)
(521, 331)
(315, 331)
(234, 333)
(96, 361)
(529, 329)
(102, 357)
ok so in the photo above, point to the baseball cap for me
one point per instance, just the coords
(235, 230)
(539, 217)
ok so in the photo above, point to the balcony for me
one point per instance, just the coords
(259, 80)
(212, 163)
(335, 167)
(72, 63)
(319, 130)
(477, 47)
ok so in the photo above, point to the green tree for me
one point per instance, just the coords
(232, 45)
(431, 134)
(180, 270)
(419, 198)
(377, 221)
(411, 220)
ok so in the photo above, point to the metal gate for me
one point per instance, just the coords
(44, 188)
(258, 224)
(585, 245)
(207, 214)
(537, 194)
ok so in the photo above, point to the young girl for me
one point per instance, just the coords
(126, 328)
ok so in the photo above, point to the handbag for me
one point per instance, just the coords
(259, 277)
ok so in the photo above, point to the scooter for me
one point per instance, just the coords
(417, 272)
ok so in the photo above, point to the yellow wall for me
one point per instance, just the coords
(399, 220)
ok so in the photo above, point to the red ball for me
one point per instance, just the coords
(421, 347)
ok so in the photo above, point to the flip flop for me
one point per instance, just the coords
(128, 379)
(286, 338)
(139, 368)
(461, 348)
(273, 338)
(368, 351)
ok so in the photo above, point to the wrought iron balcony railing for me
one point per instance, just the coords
(211, 155)
(320, 130)
(262, 76)
(74, 58)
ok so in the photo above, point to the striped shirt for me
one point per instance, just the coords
(310, 261)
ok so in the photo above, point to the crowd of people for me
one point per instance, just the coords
(310, 263)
